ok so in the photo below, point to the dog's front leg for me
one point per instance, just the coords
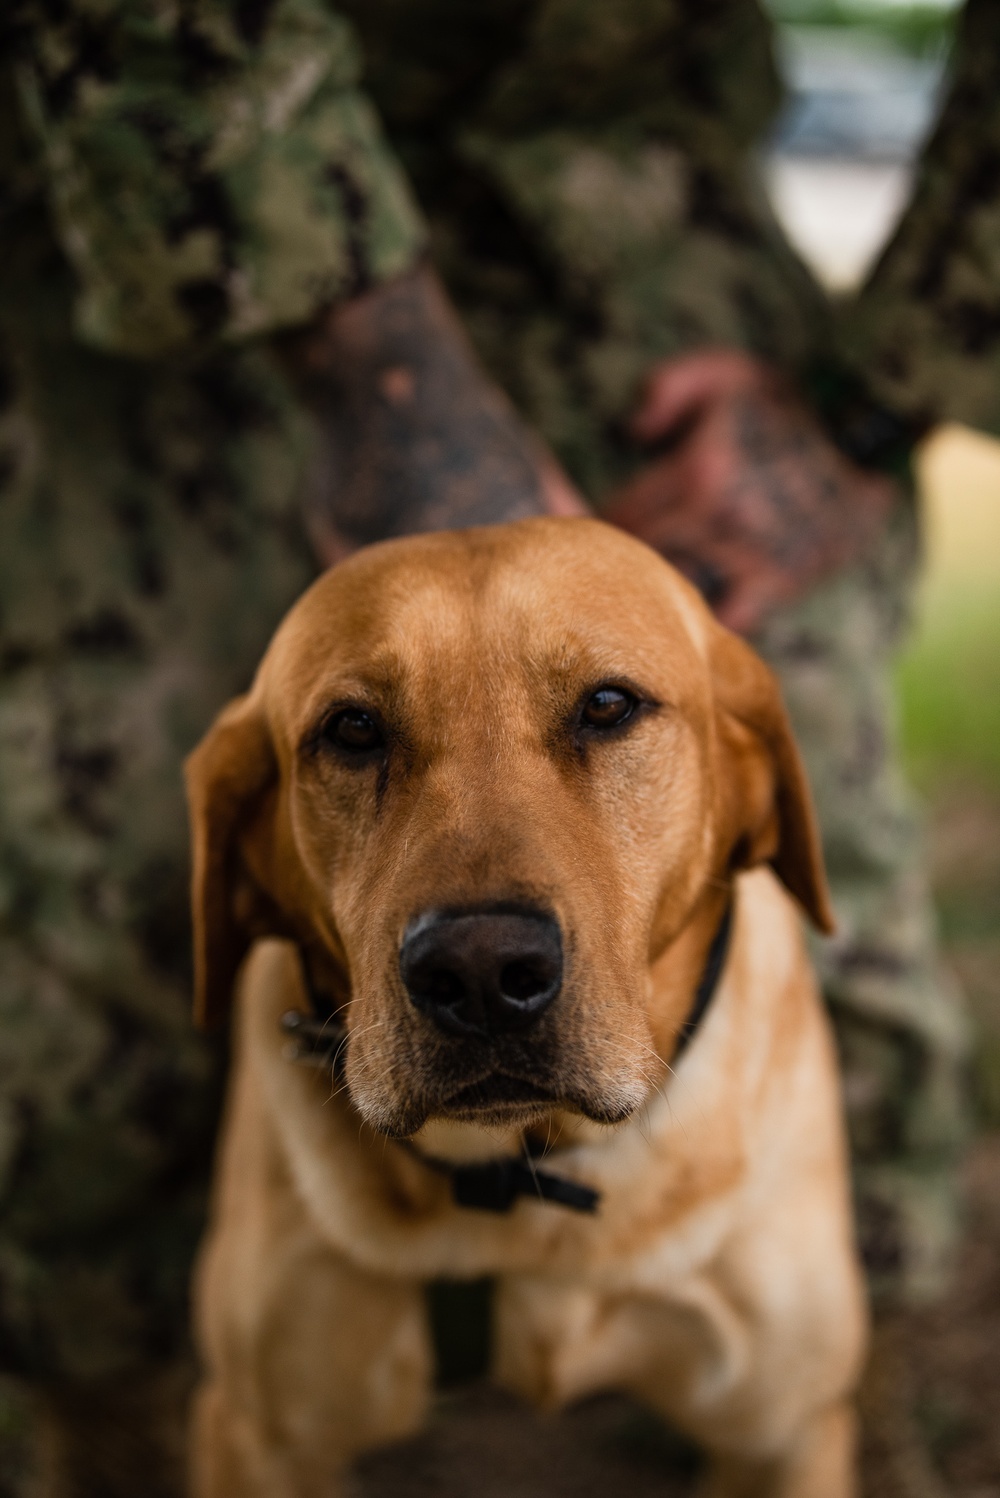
(329, 1363)
(309, 1359)
(819, 1464)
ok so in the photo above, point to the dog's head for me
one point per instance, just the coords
(485, 779)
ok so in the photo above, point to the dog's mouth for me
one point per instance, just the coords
(505, 1100)
(511, 1082)
(498, 1095)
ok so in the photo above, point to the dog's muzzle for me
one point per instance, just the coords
(483, 972)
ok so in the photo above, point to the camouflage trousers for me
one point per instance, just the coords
(898, 1015)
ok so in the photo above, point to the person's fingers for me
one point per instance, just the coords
(748, 601)
(677, 389)
(328, 545)
(559, 495)
(879, 495)
(645, 505)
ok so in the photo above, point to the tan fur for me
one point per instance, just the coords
(718, 1280)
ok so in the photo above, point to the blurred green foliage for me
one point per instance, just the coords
(922, 29)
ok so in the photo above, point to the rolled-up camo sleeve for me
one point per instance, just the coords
(213, 167)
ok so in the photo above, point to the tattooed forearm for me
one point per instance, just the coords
(791, 490)
(414, 437)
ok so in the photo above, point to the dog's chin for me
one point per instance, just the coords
(499, 1101)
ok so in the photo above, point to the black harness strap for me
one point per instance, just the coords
(319, 1039)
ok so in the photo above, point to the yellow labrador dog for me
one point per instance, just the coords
(510, 829)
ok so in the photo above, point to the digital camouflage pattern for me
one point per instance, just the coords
(900, 1022)
(926, 331)
(180, 178)
(589, 203)
(147, 548)
(207, 165)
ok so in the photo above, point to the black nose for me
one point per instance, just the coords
(483, 972)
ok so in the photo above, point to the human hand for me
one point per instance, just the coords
(747, 496)
(414, 436)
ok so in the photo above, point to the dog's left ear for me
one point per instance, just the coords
(767, 812)
(228, 777)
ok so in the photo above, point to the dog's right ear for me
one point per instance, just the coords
(769, 815)
(228, 776)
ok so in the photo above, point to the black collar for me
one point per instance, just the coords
(707, 983)
(319, 1039)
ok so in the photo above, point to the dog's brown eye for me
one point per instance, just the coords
(608, 707)
(354, 731)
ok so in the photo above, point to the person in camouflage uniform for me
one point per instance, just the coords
(197, 198)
